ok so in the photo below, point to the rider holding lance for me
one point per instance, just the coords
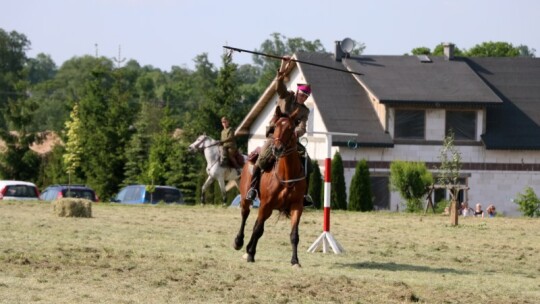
(288, 102)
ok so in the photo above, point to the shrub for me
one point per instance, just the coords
(411, 180)
(72, 207)
(528, 203)
(440, 206)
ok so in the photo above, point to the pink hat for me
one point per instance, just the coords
(305, 88)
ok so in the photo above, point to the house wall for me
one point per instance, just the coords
(496, 187)
(258, 128)
(486, 186)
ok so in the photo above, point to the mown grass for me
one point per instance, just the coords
(184, 254)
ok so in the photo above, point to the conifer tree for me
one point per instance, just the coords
(183, 170)
(315, 186)
(158, 164)
(338, 195)
(105, 113)
(360, 196)
(137, 151)
(52, 168)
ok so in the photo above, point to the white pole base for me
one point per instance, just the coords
(326, 239)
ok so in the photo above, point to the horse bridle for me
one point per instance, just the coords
(198, 145)
(282, 154)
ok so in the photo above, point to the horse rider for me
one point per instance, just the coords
(228, 146)
(288, 102)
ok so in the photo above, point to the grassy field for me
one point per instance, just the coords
(184, 254)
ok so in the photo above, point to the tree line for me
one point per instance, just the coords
(123, 124)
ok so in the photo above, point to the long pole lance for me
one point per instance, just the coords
(295, 60)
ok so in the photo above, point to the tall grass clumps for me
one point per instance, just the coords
(72, 207)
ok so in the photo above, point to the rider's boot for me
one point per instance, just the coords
(234, 164)
(308, 201)
(224, 161)
(252, 193)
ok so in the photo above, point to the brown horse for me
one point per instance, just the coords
(281, 188)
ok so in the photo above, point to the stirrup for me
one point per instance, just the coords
(252, 194)
(308, 201)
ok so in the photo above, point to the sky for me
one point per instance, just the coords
(166, 33)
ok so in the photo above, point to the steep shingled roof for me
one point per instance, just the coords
(342, 102)
(516, 123)
(399, 80)
(509, 88)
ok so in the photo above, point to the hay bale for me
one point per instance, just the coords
(72, 207)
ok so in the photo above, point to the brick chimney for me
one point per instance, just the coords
(448, 51)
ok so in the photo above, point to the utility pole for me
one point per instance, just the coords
(119, 59)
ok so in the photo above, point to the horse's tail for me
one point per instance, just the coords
(285, 212)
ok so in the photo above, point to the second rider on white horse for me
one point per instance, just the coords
(229, 150)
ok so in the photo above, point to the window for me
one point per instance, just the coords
(381, 192)
(410, 124)
(463, 123)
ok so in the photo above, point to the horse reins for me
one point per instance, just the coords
(198, 146)
(285, 153)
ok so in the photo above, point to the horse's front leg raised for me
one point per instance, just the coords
(207, 183)
(239, 240)
(295, 238)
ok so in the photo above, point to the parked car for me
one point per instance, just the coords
(236, 202)
(59, 191)
(18, 190)
(139, 194)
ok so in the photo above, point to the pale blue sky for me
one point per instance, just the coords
(163, 33)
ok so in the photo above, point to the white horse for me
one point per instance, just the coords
(210, 148)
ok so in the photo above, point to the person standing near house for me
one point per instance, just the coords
(288, 102)
(229, 148)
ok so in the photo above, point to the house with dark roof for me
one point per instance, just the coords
(402, 107)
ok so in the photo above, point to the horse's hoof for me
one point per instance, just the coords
(238, 244)
(296, 266)
(248, 257)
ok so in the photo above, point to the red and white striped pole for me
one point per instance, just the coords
(327, 188)
(326, 238)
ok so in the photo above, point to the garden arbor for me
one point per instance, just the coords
(453, 190)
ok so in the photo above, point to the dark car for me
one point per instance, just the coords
(59, 191)
(140, 194)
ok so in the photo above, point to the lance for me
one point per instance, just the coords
(295, 60)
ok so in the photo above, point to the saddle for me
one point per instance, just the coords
(254, 155)
(225, 160)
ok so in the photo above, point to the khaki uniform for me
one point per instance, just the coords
(287, 104)
(229, 148)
